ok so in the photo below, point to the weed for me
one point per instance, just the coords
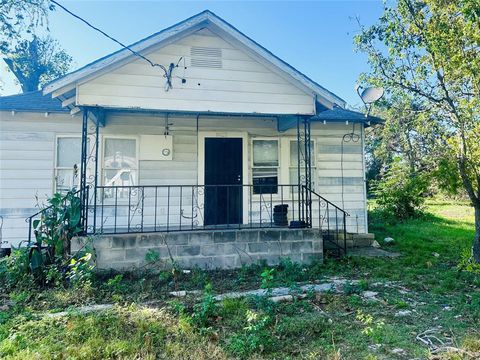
(246, 272)
(400, 304)
(152, 256)
(262, 303)
(327, 326)
(363, 285)
(177, 306)
(115, 284)
(467, 262)
(301, 326)
(372, 328)
(206, 310)
(254, 338)
(267, 279)
(350, 288)
(199, 277)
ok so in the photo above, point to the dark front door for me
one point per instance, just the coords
(223, 180)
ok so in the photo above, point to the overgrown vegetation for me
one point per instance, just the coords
(47, 260)
(401, 193)
(429, 284)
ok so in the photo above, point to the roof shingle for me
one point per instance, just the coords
(31, 101)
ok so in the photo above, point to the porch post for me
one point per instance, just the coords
(299, 173)
(83, 171)
(308, 172)
(304, 177)
(95, 179)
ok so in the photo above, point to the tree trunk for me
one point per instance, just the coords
(476, 241)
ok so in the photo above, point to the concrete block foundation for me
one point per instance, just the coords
(217, 249)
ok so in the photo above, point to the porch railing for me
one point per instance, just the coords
(332, 221)
(164, 208)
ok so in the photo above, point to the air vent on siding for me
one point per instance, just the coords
(206, 57)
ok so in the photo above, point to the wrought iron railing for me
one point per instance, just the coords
(165, 208)
(332, 222)
(157, 208)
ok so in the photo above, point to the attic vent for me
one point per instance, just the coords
(206, 57)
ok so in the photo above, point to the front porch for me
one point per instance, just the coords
(236, 185)
(131, 190)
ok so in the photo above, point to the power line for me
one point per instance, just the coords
(115, 40)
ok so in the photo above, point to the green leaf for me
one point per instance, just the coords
(36, 223)
(36, 259)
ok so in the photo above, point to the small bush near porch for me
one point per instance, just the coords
(419, 305)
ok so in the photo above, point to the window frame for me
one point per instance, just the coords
(278, 167)
(102, 155)
(55, 159)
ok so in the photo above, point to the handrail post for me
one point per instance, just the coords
(83, 171)
(344, 233)
(96, 181)
(29, 230)
(87, 194)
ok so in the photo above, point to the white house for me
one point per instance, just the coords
(192, 130)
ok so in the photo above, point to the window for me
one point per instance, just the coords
(293, 165)
(67, 163)
(119, 162)
(265, 166)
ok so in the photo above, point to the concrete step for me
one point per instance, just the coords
(353, 240)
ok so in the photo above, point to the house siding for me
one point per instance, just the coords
(27, 147)
(241, 84)
(28, 155)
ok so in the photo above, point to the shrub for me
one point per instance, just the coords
(401, 192)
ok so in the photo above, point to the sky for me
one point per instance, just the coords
(315, 37)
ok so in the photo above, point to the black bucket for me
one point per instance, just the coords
(280, 213)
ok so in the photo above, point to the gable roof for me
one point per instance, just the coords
(204, 19)
(31, 101)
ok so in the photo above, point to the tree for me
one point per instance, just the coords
(429, 50)
(18, 17)
(37, 61)
(407, 133)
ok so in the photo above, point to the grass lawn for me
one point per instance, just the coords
(420, 291)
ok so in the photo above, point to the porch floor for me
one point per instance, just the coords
(135, 229)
